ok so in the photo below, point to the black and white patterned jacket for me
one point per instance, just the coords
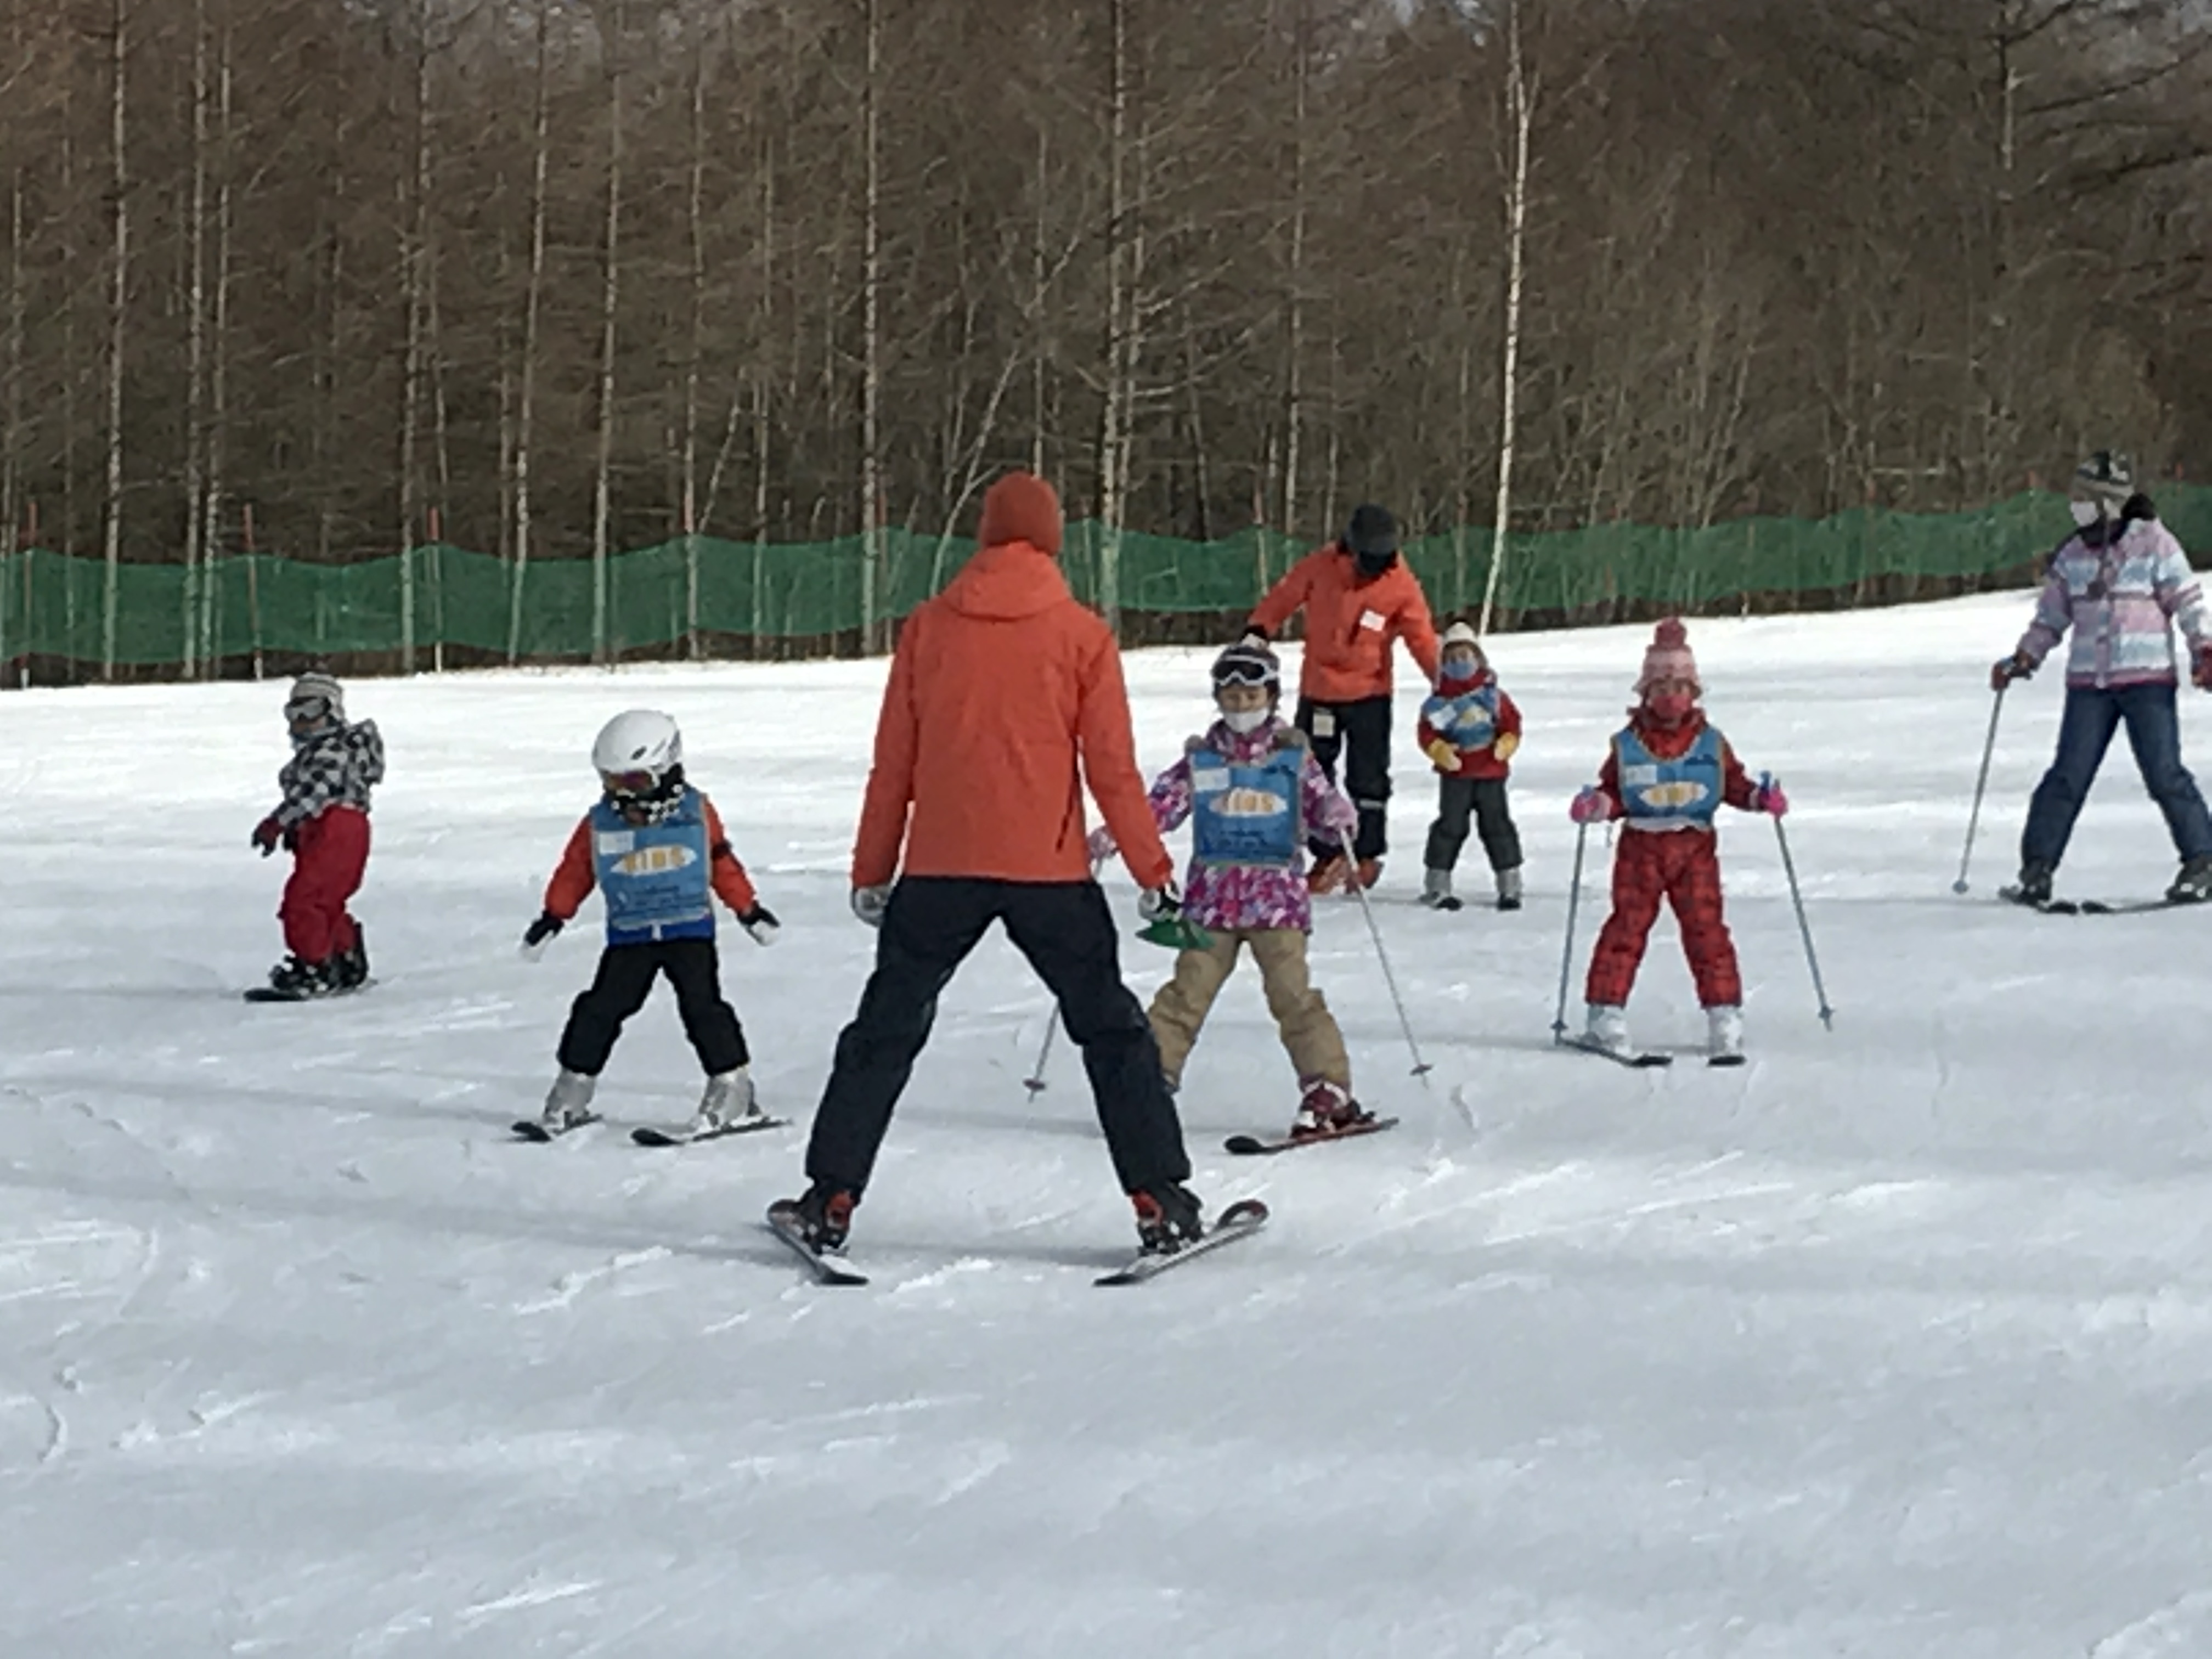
(332, 768)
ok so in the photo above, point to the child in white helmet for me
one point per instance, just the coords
(655, 849)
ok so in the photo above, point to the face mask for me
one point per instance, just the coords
(1455, 670)
(1672, 707)
(2085, 513)
(1244, 722)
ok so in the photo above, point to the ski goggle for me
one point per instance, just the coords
(306, 709)
(629, 783)
(1239, 671)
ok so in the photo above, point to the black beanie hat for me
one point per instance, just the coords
(1372, 535)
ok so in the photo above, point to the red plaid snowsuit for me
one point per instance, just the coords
(1679, 866)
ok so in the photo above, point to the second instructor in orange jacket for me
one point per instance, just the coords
(1359, 600)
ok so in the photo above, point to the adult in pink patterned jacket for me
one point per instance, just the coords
(1254, 793)
(2121, 582)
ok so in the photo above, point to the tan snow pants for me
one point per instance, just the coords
(1309, 1030)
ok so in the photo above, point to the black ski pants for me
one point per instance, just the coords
(1482, 799)
(625, 980)
(1360, 730)
(1067, 932)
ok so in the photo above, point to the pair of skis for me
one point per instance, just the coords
(2058, 907)
(1647, 1059)
(647, 1134)
(1240, 1220)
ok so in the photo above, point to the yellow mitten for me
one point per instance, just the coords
(1443, 756)
(1506, 744)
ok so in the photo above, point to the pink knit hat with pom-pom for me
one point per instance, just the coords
(1668, 657)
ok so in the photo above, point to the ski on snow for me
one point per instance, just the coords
(1256, 1146)
(1648, 1060)
(828, 1267)
(270, 994)
(1240, 1220)
(2094, 907)
(530, 1129)
(683, 1135)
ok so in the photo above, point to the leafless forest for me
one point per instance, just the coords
(549, 277)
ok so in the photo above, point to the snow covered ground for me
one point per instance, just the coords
(1897, 1342)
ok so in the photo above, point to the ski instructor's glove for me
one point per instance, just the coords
(2018, 667)
(869, 903)
(1162, 903)
(760, 922)
(535, 935)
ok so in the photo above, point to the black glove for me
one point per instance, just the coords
(539, 930)
(1253, 634)
(760, 922)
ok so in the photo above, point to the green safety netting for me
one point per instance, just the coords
(55, 607)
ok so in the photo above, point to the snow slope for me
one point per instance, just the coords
(1895, 1343)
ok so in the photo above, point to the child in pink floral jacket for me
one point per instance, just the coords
(1253, 792)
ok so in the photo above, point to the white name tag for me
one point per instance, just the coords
(615, 842)
(1324, 723)
(1372, 621)
(1209, 778)
(1634, 776)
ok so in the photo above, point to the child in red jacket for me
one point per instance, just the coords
(655, 847)
(1469, 730)
(1665, 777)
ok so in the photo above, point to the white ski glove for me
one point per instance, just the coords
(869, 903)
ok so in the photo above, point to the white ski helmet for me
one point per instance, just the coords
(643, 740)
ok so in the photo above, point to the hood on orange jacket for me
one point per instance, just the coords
(1351, 625)
(1006, 697)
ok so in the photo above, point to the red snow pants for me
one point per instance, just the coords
(1683, 867)
(329, 856)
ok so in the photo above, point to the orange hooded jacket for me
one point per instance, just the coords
(1351, 625)
(1006, 697)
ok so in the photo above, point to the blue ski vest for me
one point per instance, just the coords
(1248, 812)
(656, 878)
(1664, 793)
(1466, 720)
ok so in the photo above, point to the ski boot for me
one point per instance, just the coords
(2194, 885)
(824, 1216)
(2034, 888)
(1608, 1030)
(300, 979)
(728, 1099)
(1509, 889)
(1724, 1036)
(1370, 872)
(569, 1103)
(1327, 1108)
(1436, 891)
(1167, 1217)
(351, 970)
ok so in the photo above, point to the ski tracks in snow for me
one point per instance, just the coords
(2180, 1630)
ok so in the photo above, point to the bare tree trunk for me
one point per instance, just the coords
(1520, 99)
(11, 444)
(871, 365)
(1115, 410)
(441, 440)
(1039, 337)
(195, 344)
(212, 485)
(69, 365)
(532, 305)
(760, 395)
(118, 332)
(601, 488)
(694, 205)
(413, 258)
(1295, 319)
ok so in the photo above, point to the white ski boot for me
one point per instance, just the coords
(1724, 1040)
(728, 1099)
(568, 1103)
(1509, 889)
(1608, 1030)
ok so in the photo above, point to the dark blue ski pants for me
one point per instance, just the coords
(2085, 733)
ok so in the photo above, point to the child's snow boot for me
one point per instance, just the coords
(569, 1103)
(1370, 872)
(728, 1099)
(1608, 1030)
(300, 979)
(1436, 891)
(352, 964)
(2194, 885)
(1327, 1108)
(1724, 1041)
(1509, 889)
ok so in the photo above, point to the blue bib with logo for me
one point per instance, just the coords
(1659, 794)
(1467, 719)
(655, 878)
(1246, 812)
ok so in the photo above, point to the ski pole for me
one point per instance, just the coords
(1567, 950)
(1981, 782)
(1420, 1066)
(1035, 1081)
(1804, 927)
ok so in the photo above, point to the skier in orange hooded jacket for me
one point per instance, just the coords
(1360, 599)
